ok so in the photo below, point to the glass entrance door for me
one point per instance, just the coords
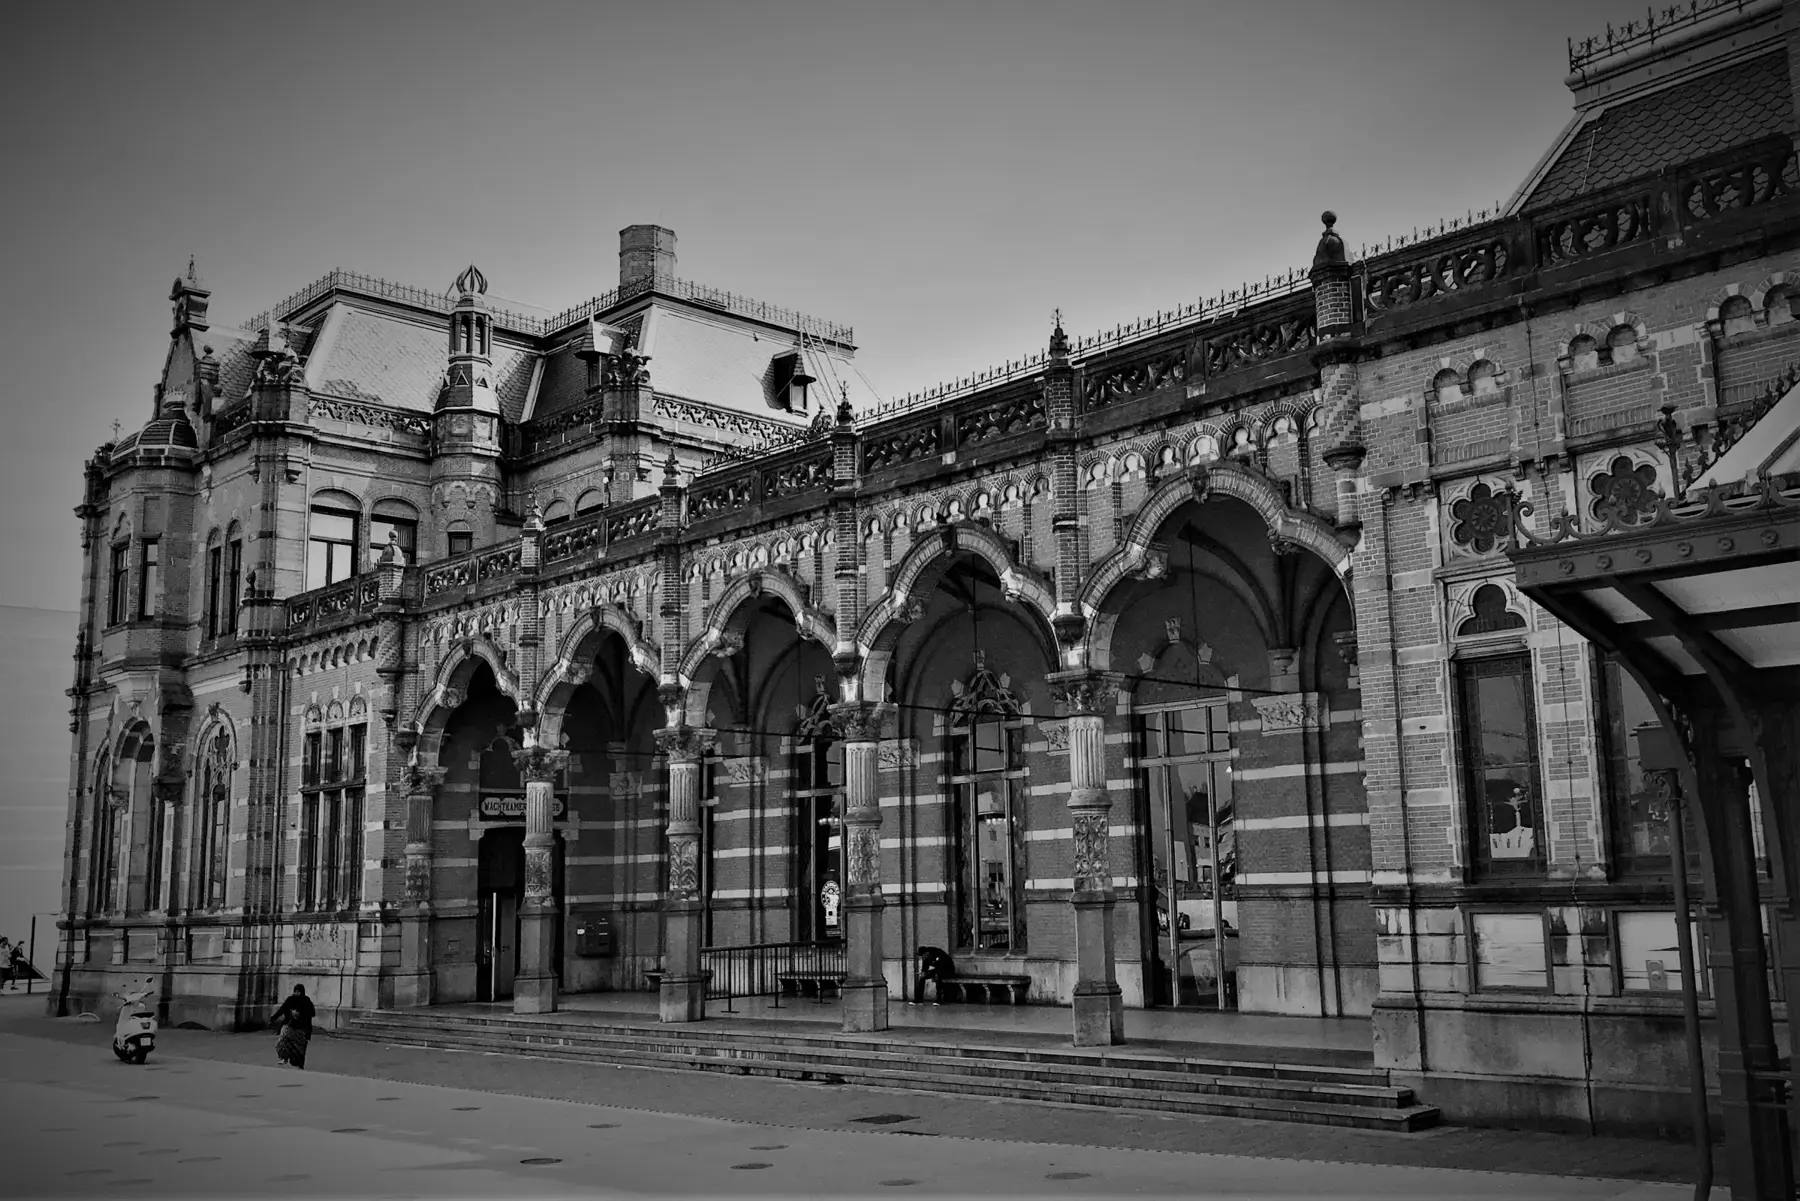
(1190, 857)
(501, 885)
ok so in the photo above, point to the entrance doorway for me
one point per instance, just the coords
(500, 884)
(1189, 857)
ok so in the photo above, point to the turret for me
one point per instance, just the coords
(466, 425)
(1340, 422)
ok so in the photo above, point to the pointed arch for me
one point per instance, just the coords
(918, 573)
(452, 681)
(727, 617)
(579, 646)
(1198, 484)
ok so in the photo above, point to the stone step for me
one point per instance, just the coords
(700, 1034)
(1337, 1105)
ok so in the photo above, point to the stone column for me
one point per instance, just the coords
(684, 983)
(1099, 1009)
(415, 982)
(534, 989)
(865, 980)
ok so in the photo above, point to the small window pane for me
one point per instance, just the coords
(990, 746)
(333, 525)
(1153, 736)
(1509, 950)
(1649, 959)
(461, 542)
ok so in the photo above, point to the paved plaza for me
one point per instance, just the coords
(212, 1116)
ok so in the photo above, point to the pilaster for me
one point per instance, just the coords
(865, 981)
(1098, 1006)
(683, 990)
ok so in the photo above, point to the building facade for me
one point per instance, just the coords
(432, 652)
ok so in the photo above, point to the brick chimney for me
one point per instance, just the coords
(646, 252)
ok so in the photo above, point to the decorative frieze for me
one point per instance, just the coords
(1289, 712)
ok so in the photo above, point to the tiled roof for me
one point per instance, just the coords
(1728, 107)
(401, 363)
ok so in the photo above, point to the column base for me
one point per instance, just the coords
(682, 998)
(865, 1006)
(534, 994)
(1099, 1016)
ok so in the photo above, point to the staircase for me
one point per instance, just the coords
(1237, 1087)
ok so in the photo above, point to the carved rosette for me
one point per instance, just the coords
(1092, 846)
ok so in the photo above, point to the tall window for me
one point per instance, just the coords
(987, 784)
(332, 776)
(119, 583)
(395, 524)
(330, 546)
(1639, 818)
(1500, 757)
(212, 832)
(1190, 847)
(234, 574)
(215, 589)
(816, 770)
(148, 578)
(105, 838)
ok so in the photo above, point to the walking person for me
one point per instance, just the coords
(293, 1022)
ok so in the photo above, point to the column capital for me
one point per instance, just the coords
(419, 780)
(684, 743)
(860, 721)
(1084, 692)
(539, 764)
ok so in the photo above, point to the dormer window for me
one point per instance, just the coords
(786, 383)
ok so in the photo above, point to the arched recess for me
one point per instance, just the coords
(214, 753)
(1286, 526)
(576, 664)
(729, 616)
(921, 570)
(450, 688)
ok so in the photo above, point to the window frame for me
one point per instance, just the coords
(118, 600)
(816, 824)
(215, 583)
(1470, 668)
(333, 796)
(1471, 912)
(964, 805)
(234, 578)
(149, 578)
(332, 545)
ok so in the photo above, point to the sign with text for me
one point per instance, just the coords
(510, 807)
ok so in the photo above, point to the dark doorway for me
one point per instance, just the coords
(500, 884)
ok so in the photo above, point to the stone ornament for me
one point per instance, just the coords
(684, 867)
(864, 856)
(1482, 520)
(1290, 712)
(896, 753)
(1092, 845)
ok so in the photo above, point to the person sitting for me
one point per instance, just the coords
(936, 966)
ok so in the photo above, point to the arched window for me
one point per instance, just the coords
(1584, 353)
(1448, 385)
(1483, 378)
(331, 538)
(1491, 615)
(333, 771)
(556, 512)
(816, 767)
(1623, 343)
(212, 823)
(588, 501)
(1736, 315)
(988, 787)
(234, 575)
(1778, 306)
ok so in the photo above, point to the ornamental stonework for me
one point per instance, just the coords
(1288, 713)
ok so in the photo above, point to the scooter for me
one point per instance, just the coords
(134, 1036)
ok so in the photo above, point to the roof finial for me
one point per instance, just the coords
(1331, 245)
(115, 425)
(471, 282)
(669, 467)
(844, 414)
(193, 272)
(1059, 341)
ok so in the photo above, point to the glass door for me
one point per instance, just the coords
(1190, 857)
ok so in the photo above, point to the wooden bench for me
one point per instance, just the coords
(1011, 989)
(796, 983)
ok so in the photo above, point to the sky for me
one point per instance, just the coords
(938, 175)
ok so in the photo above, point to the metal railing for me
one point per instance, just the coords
(1588, 51)
(755, 969)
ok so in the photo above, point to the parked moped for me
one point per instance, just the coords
(134, 1036)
